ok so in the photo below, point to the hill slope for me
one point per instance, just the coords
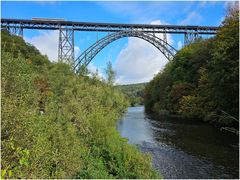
(203, 79)
(134, 93)
(56, 124)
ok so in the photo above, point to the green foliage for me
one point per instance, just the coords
(189, 106)
(133, 92)
(110, 73)
(203, 78)
(190, 59)
(224, 67)
(83, 71)
(156, 92)
(178, 91)
(57, 124)
(16, 47)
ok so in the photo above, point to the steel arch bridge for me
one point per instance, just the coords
(86, 57)
(142, 31)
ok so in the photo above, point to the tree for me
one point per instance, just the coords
(110, 73)
(177, 92)
(83, 70)
(224, 66)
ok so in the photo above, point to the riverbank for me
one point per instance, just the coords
(217, 120)
(181, 148)
(202, 81)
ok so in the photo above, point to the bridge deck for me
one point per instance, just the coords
(112, 27)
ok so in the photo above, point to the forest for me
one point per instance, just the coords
(202, 81)
(58, 124)
(134, 93)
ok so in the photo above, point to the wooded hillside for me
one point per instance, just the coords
(203, 79)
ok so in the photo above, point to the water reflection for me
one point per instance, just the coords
(182, 148)
(135, 127)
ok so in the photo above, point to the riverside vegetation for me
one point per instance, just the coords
(203, 79)
(57, 124)
(134, 93)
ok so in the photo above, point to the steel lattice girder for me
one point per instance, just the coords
(66, 46)
(190, 37)
(111, 27)
(86, 57)
(15, 30)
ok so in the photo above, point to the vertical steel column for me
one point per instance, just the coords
(66, 46)
(153, 33)
(165, 41)
(190, 37)
(196, 35)
(165, 37)
(15, 30)
(186, 41)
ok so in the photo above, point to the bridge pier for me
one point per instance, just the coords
(15, 30)
(164, 41)
(190, 37)
(66, 46)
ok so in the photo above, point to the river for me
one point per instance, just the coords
(182, 148)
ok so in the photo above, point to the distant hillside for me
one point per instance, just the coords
(134, 92)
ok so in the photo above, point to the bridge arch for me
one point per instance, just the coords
(86, 57)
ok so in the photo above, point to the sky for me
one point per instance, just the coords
(134, 60)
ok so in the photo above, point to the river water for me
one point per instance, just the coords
(182, 148)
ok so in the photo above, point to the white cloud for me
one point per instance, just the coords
(180, 45)
(94, 69)
(47, 43)
(160, 35)
(76, 51)
(228, 4)
(139, 61)
(157, 22)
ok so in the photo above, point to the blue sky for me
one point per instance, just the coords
(134, 60)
